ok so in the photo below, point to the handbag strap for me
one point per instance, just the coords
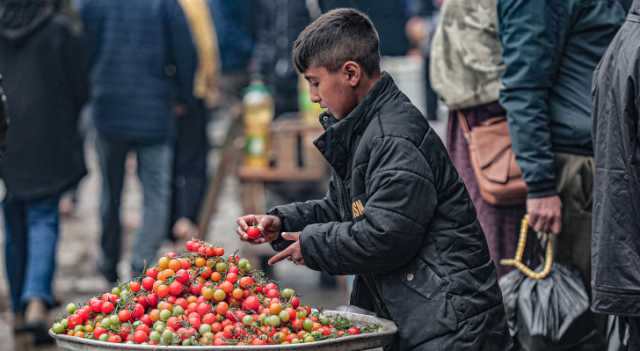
(522, 242)
(464, 124)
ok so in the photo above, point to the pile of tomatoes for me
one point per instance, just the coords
(202, 298)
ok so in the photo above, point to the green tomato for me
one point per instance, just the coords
(288, 293)
(187, 342)
(58, 328)
(159, 326)
(114, 319)
(204, 328)
(309, 338)
(284, 316)
(247, 320)
(78, 328)
(71, 308)
(64, 323)
(106, 323)
(244, 265)
(104, 337)
(221, 267)
(116, 291)
(324, 320)
(167, 337)
(165, 315)
(178, 310)
(155, 336)
(274, 321)
(302, 314)
(307, 324)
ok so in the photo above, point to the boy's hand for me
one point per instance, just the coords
(293, 252)
(269, 225)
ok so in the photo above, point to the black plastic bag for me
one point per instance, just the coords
(551, 314)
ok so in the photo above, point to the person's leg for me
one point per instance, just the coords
(573, 246)
(189, 172)
(111, 157)
(154, 170)
(43, 223)
(15, 246)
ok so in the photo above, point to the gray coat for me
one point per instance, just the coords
(399, 217)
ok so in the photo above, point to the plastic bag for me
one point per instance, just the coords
(551, 314)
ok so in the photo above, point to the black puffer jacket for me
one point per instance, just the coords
(398, 215)
(46, 82)
(616, 208)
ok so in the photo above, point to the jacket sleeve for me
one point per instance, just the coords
(296, 216)
(92, 21)
(532, 36)
(400, 202)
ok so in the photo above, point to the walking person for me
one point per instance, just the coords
(46, 82)
(550, 50)
(140, 65)
(615, 255)
(189, 180)
(465, 72)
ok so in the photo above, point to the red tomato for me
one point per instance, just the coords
(219, 251)
(114, 338)
(295, 302)
(152, 272)
(98, 331)
(124, 315)
(182, 276)
(146, 320)
(227, 287)
(134, 286)
(203, 308)
(246, 282)
(254, 232)
(353, 331)
(232, 277)
(176, 288)
(222, 308)
(139, 337)
(251, 303)
(147, 283)
(96, 305)
(107, 307)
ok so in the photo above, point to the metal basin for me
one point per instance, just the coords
(347, 343)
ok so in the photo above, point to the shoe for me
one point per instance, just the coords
(184, 229)
(36, 321)
(110, 275)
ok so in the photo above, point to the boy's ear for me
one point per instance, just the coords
(352, 72)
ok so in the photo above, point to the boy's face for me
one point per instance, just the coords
(334, 91)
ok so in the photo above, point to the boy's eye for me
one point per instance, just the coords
(314, 84)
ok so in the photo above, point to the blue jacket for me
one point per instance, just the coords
(234, 26)
(550, 49)
(142, 61)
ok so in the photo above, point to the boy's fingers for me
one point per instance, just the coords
(241, 233)
(280, 256)
(291, 236)
(242, 223)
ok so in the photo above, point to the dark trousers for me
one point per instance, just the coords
(190, 165)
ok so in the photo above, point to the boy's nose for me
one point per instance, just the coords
(315, 98)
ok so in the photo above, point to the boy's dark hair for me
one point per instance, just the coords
(336, 37)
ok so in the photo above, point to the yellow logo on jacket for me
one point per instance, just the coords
(357, 209)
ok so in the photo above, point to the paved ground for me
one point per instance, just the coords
(76, 277)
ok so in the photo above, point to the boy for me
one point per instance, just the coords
(396, 214)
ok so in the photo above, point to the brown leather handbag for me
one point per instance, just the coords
(494, 163)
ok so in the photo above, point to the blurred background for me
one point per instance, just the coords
(181, 116)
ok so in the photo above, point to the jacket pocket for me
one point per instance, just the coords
(418, 303)
(421, 278)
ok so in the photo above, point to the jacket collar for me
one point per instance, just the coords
(635, 7)
(337, 142)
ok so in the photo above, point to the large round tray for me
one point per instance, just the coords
(346, 343)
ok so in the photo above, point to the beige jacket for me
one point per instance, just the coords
(466, 54)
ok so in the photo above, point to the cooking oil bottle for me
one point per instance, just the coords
(309, 110)
(258, 114)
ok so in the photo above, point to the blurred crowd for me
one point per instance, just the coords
(146, 77)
